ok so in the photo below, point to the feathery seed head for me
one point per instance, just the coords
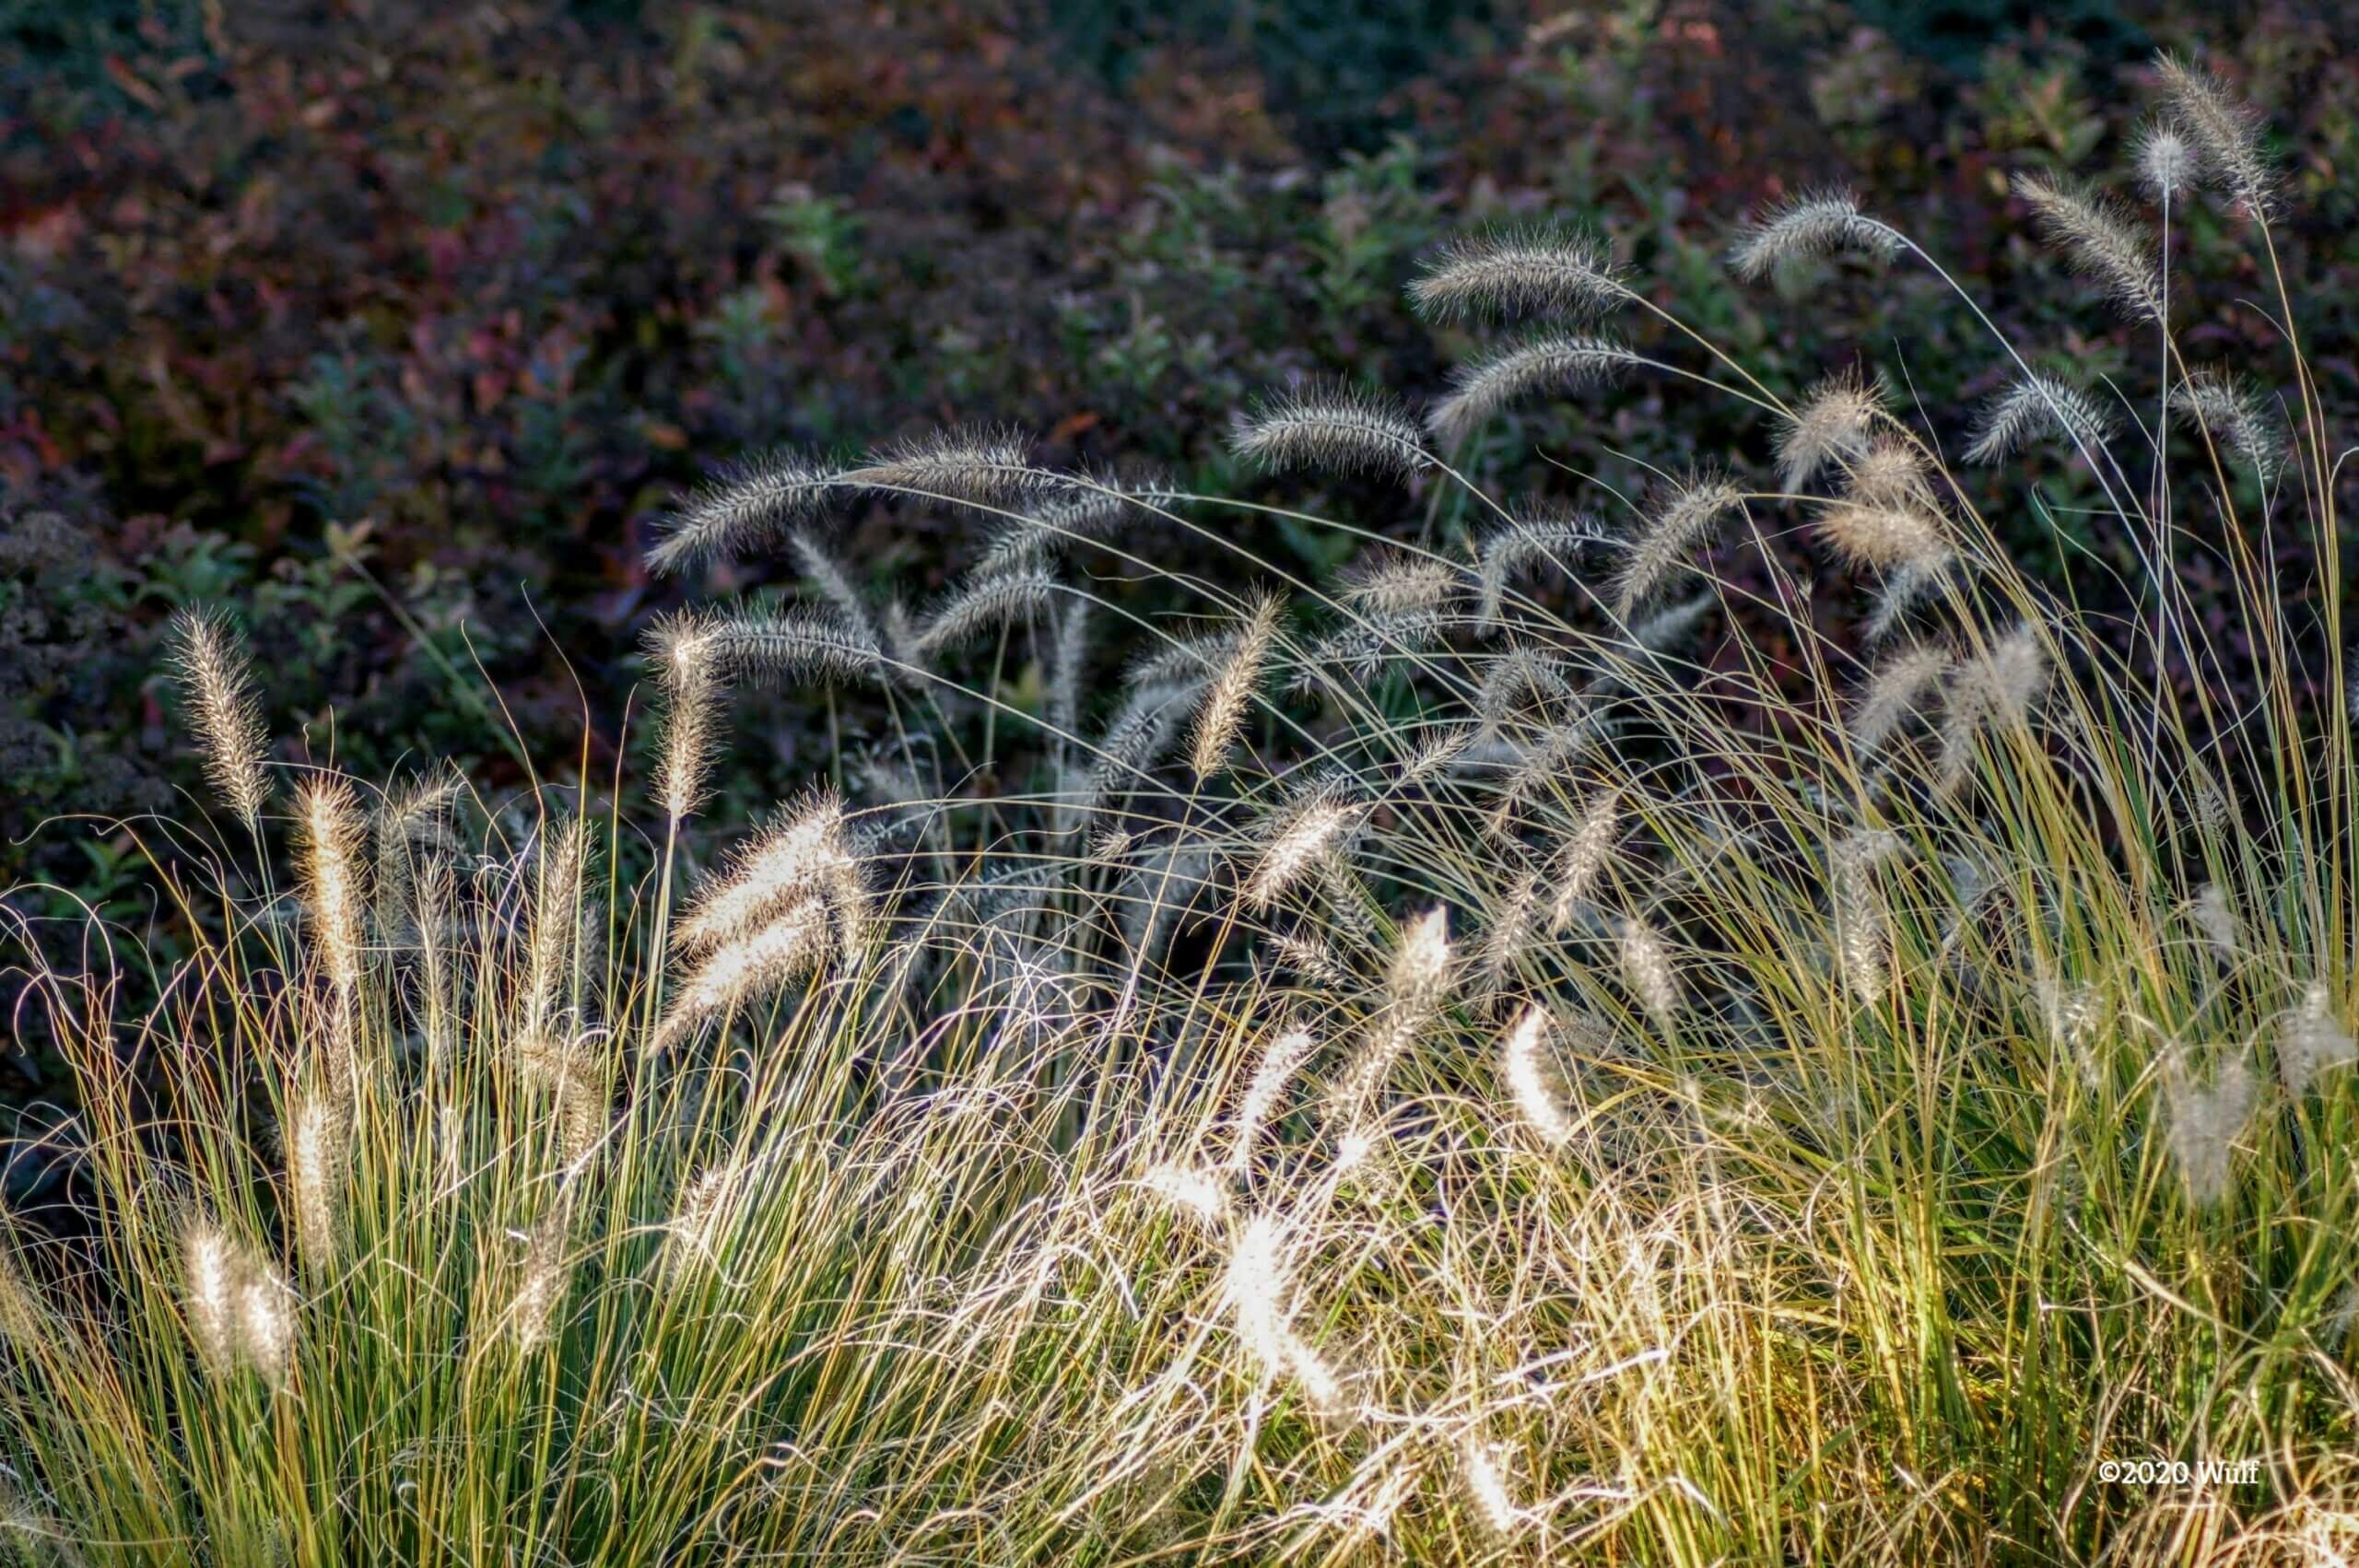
(2227, 409)
(1281, 1060)
(1222, 718)
(748, 507)
(1811, 224)
(986, 604)
(1308, 828)
(1533, 272)
(1896, 690)
(1399, 585)
(332, 826)
(1585, 853)
(2206, 1123)
(1555, 363)
(1335, 428)
(2165, 162)
(1527, 1074)
(1648, 971)
(211, 1275)
(750, 967)
(2311, 1039)
(799, 643)
(540, 1295)
(807, 850)
(1687, 519)
(1487, 1486)
(985, 467)
(1526, 543)
(216, 678)
(1880, 536)
(2225, 130)
(1192, 1191)
(2102, 241)
(2034, 404)
(266, 1320)
(1834, 425)
(317, 1134)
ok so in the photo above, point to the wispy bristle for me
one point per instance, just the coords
(1526, 273)
(747, 508)
(1811, 224)
(217, 677)
(2102, 241)
(1336, 429)
(1506, 376)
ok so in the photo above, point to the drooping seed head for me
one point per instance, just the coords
(1531, 271)
(1556, 363)
(750, 506)
(982, 467)
(1334, 428)
(2034, 404)
(1688, 518)
(1304, 831)
(1824, 224)
(1281, 1060)
(807, 850)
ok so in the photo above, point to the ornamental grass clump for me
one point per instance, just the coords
(1724, 1023)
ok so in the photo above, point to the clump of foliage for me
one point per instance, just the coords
(1591, 1035)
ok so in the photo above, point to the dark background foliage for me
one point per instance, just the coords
(393, 326)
